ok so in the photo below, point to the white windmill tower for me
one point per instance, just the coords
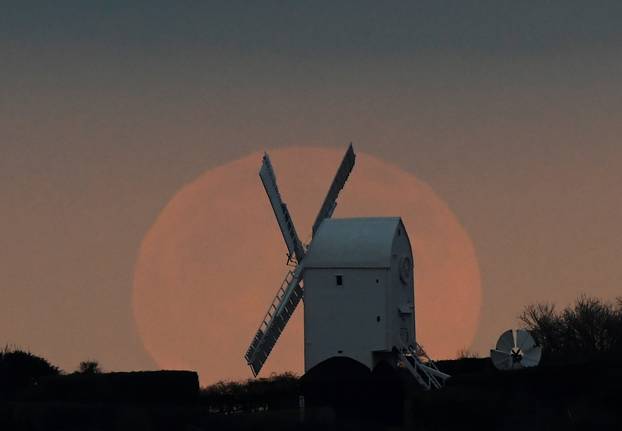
(357, 280)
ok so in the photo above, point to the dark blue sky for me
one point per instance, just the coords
(321, 27)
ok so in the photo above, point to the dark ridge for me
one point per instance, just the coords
(460, 366)
(129, 387)
(339, 394)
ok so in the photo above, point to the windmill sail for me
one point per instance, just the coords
(505, 343)
(530, 350)
(502, 360)
(330, 201)
(287, 298)
(290, 292)
(268, 178)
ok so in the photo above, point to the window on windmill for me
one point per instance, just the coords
(339, 280)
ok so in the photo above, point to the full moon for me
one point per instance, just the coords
(211, 263)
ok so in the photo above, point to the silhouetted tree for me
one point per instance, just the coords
(89, 367)
(20, 369)
(587, 329)
(546, 325)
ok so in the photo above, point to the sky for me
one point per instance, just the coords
(510, 111)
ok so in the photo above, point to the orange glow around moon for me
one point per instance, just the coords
(209, 266)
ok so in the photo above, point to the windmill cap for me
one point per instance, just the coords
(365, 242)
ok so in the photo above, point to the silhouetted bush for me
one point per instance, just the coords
(588, 329)
(89, 367)
(272, 393)
(20, 370)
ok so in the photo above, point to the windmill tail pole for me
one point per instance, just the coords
(434, 371)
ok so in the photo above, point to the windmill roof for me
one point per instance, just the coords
(353, 243)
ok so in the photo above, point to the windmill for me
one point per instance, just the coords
(356, 277)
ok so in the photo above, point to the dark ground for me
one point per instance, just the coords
(337, 396)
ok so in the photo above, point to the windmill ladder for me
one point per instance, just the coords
(281, 309)
(425, 373)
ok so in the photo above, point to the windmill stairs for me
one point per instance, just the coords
(423, 369)
(281, 309)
